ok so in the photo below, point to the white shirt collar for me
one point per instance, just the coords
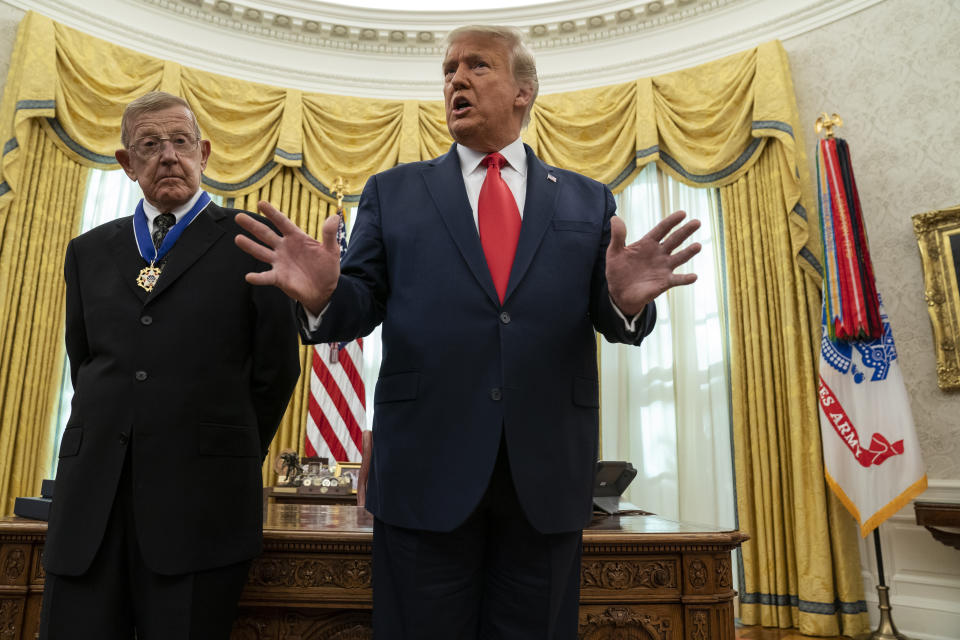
(514, 153)
(152, 212)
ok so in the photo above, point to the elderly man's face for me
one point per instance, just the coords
(484, 103)
(168, 177)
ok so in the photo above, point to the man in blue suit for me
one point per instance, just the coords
(489, 271)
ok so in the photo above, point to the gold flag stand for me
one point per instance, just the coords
(886, 630)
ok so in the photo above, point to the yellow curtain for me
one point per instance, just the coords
(797, 568)
(34, 230)
(730, 124)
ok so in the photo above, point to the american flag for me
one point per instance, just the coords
(337, 406)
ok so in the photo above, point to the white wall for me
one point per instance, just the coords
(892, 72)
(9, 21)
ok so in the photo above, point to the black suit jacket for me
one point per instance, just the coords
(458, 366)
(191, 378)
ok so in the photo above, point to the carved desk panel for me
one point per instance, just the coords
(642, 578)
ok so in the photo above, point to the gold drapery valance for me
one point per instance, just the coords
(706, 126)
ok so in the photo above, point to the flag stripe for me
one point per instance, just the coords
(335, 406)
(325, 412)
(349, 357)
(324, 433)
(334, 396)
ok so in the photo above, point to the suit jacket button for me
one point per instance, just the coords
(146, 320)
(495, 394)
(123, 438)
(140, 376)
(505, 318)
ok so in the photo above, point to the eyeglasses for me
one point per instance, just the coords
(149, 146)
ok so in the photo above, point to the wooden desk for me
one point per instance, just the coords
(940, 514)
(282, 495)
(642, 577)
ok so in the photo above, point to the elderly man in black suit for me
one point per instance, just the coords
(181, 374)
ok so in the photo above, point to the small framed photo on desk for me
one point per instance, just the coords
(349, 470)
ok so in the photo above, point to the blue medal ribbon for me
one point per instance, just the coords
(142, 230)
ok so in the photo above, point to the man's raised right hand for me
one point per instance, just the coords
(304, 269)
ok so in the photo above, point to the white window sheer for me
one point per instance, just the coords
(664, 405)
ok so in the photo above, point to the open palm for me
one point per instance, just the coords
(639, 272)
(303, 268)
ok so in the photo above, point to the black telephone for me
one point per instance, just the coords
(611, 480)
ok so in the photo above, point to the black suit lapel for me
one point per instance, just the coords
(445, 183)
(126, 256)
(196, 239)
(538, 210)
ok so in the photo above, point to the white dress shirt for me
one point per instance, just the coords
(152, 212)
(514, 173)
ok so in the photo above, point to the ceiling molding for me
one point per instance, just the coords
(578, 43)
(361, 30)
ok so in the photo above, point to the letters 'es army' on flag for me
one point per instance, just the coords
(871, 455)
(337, 404)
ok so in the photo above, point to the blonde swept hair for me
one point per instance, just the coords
(521, 55)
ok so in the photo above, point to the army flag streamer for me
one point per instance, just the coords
(336, 408)
(871, 455)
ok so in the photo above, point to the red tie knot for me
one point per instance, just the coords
(495, 160)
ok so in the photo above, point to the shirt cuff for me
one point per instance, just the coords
(313, 322)
(630, 324)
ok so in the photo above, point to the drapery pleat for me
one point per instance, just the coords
(801, 567)
(34, 230)
(731, 123)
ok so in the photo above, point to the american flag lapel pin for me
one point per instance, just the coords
(551, 177)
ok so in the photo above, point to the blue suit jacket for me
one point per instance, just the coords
(458, 367)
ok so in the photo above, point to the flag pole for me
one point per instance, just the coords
(338, 188)
(886, 630)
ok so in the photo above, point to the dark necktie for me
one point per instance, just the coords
(499, 221)
(161, 224)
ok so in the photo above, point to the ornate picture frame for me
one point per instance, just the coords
(938, 234)
(351, 469)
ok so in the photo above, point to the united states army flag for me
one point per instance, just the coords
(871, 455)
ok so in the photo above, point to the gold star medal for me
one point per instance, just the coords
(167, 235)
(147, 279)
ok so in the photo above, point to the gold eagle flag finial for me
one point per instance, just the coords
(339, 188)
(827, 123)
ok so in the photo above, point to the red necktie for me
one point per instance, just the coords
(499, 222)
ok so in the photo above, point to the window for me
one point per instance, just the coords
(664, 406)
